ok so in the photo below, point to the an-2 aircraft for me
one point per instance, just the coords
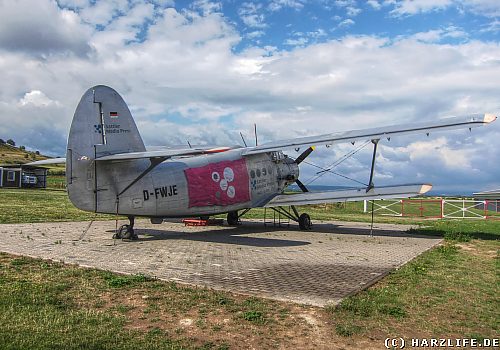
(109, 170)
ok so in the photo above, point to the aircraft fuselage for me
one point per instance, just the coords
(194, 186)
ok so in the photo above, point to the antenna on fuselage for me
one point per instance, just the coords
(255, 132)
(244, 142)
(189, 144)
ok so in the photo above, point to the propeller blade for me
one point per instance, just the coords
(301, 185)
(304, 155)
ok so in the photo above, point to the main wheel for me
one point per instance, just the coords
(305, 222)
(232, 218)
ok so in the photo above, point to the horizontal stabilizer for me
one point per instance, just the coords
(51, 161)
(359, 194)
(376, 133)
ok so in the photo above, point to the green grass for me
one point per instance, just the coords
(34, 205)
(446, 292)
(449, 291)
(46, 305)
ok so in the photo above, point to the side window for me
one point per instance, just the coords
(11, 176)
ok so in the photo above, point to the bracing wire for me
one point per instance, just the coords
(335, 164)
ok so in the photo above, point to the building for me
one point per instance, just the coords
(23, 176)
(491, 199)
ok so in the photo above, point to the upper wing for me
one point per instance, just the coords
(164, 153)
(385, 192)
(376, 133)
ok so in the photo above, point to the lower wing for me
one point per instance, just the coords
(385, 192)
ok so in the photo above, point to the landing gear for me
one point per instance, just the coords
(303, 219)
(305, 222)
(126, 231)
(233, 218)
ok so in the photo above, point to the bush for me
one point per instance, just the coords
(11, 142)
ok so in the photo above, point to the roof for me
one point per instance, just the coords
(492, 194)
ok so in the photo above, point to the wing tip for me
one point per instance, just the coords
(425, 188)
(489, 117)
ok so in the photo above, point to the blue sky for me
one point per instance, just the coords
(204, 71)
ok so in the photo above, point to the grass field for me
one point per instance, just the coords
(450, 291)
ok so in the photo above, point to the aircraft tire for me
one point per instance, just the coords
(125, 232)
(232, 218)
(305, 222)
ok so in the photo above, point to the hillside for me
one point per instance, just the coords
(14, 155)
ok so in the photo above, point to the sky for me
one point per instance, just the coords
(204, 71)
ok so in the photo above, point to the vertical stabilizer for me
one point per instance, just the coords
(102, 125)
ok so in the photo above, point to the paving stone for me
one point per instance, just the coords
(316, 267)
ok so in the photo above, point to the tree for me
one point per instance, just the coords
(22, 148)
(2, 141)
(37, 153)
(11, 142)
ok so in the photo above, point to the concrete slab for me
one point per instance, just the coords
(316, 267)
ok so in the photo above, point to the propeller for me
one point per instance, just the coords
(299, 160)
(304, 155)
(301, 185)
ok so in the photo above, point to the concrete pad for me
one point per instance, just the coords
(315, 267)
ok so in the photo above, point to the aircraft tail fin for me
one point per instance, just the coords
(102, 126)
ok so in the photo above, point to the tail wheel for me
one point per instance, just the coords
(305, 222)
(125, 232)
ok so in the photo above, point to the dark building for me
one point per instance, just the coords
(23, 176)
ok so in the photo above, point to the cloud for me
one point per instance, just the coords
(277, 5)
(412, 7)
(437, 35)
(41, 28)
(374, 4)
(487, 8)
(184, 80)
(37, 98)
(346, 23)
(251, 15)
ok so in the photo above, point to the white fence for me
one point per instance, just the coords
(439, 208)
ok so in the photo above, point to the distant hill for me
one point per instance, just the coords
(15, 155)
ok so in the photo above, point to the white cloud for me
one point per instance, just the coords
(352, 11)
(37, 98)
(277, 5)
(437, 35)
(346, 23)
(252, 15)
(412, 7)
(104, 12)
(374, 4)
(255, 34)
(488, 8)
(186, 68)
(207, 7)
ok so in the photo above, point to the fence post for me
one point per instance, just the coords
(365, 206)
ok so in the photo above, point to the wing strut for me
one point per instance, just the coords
(154, 163)
(370, 183)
